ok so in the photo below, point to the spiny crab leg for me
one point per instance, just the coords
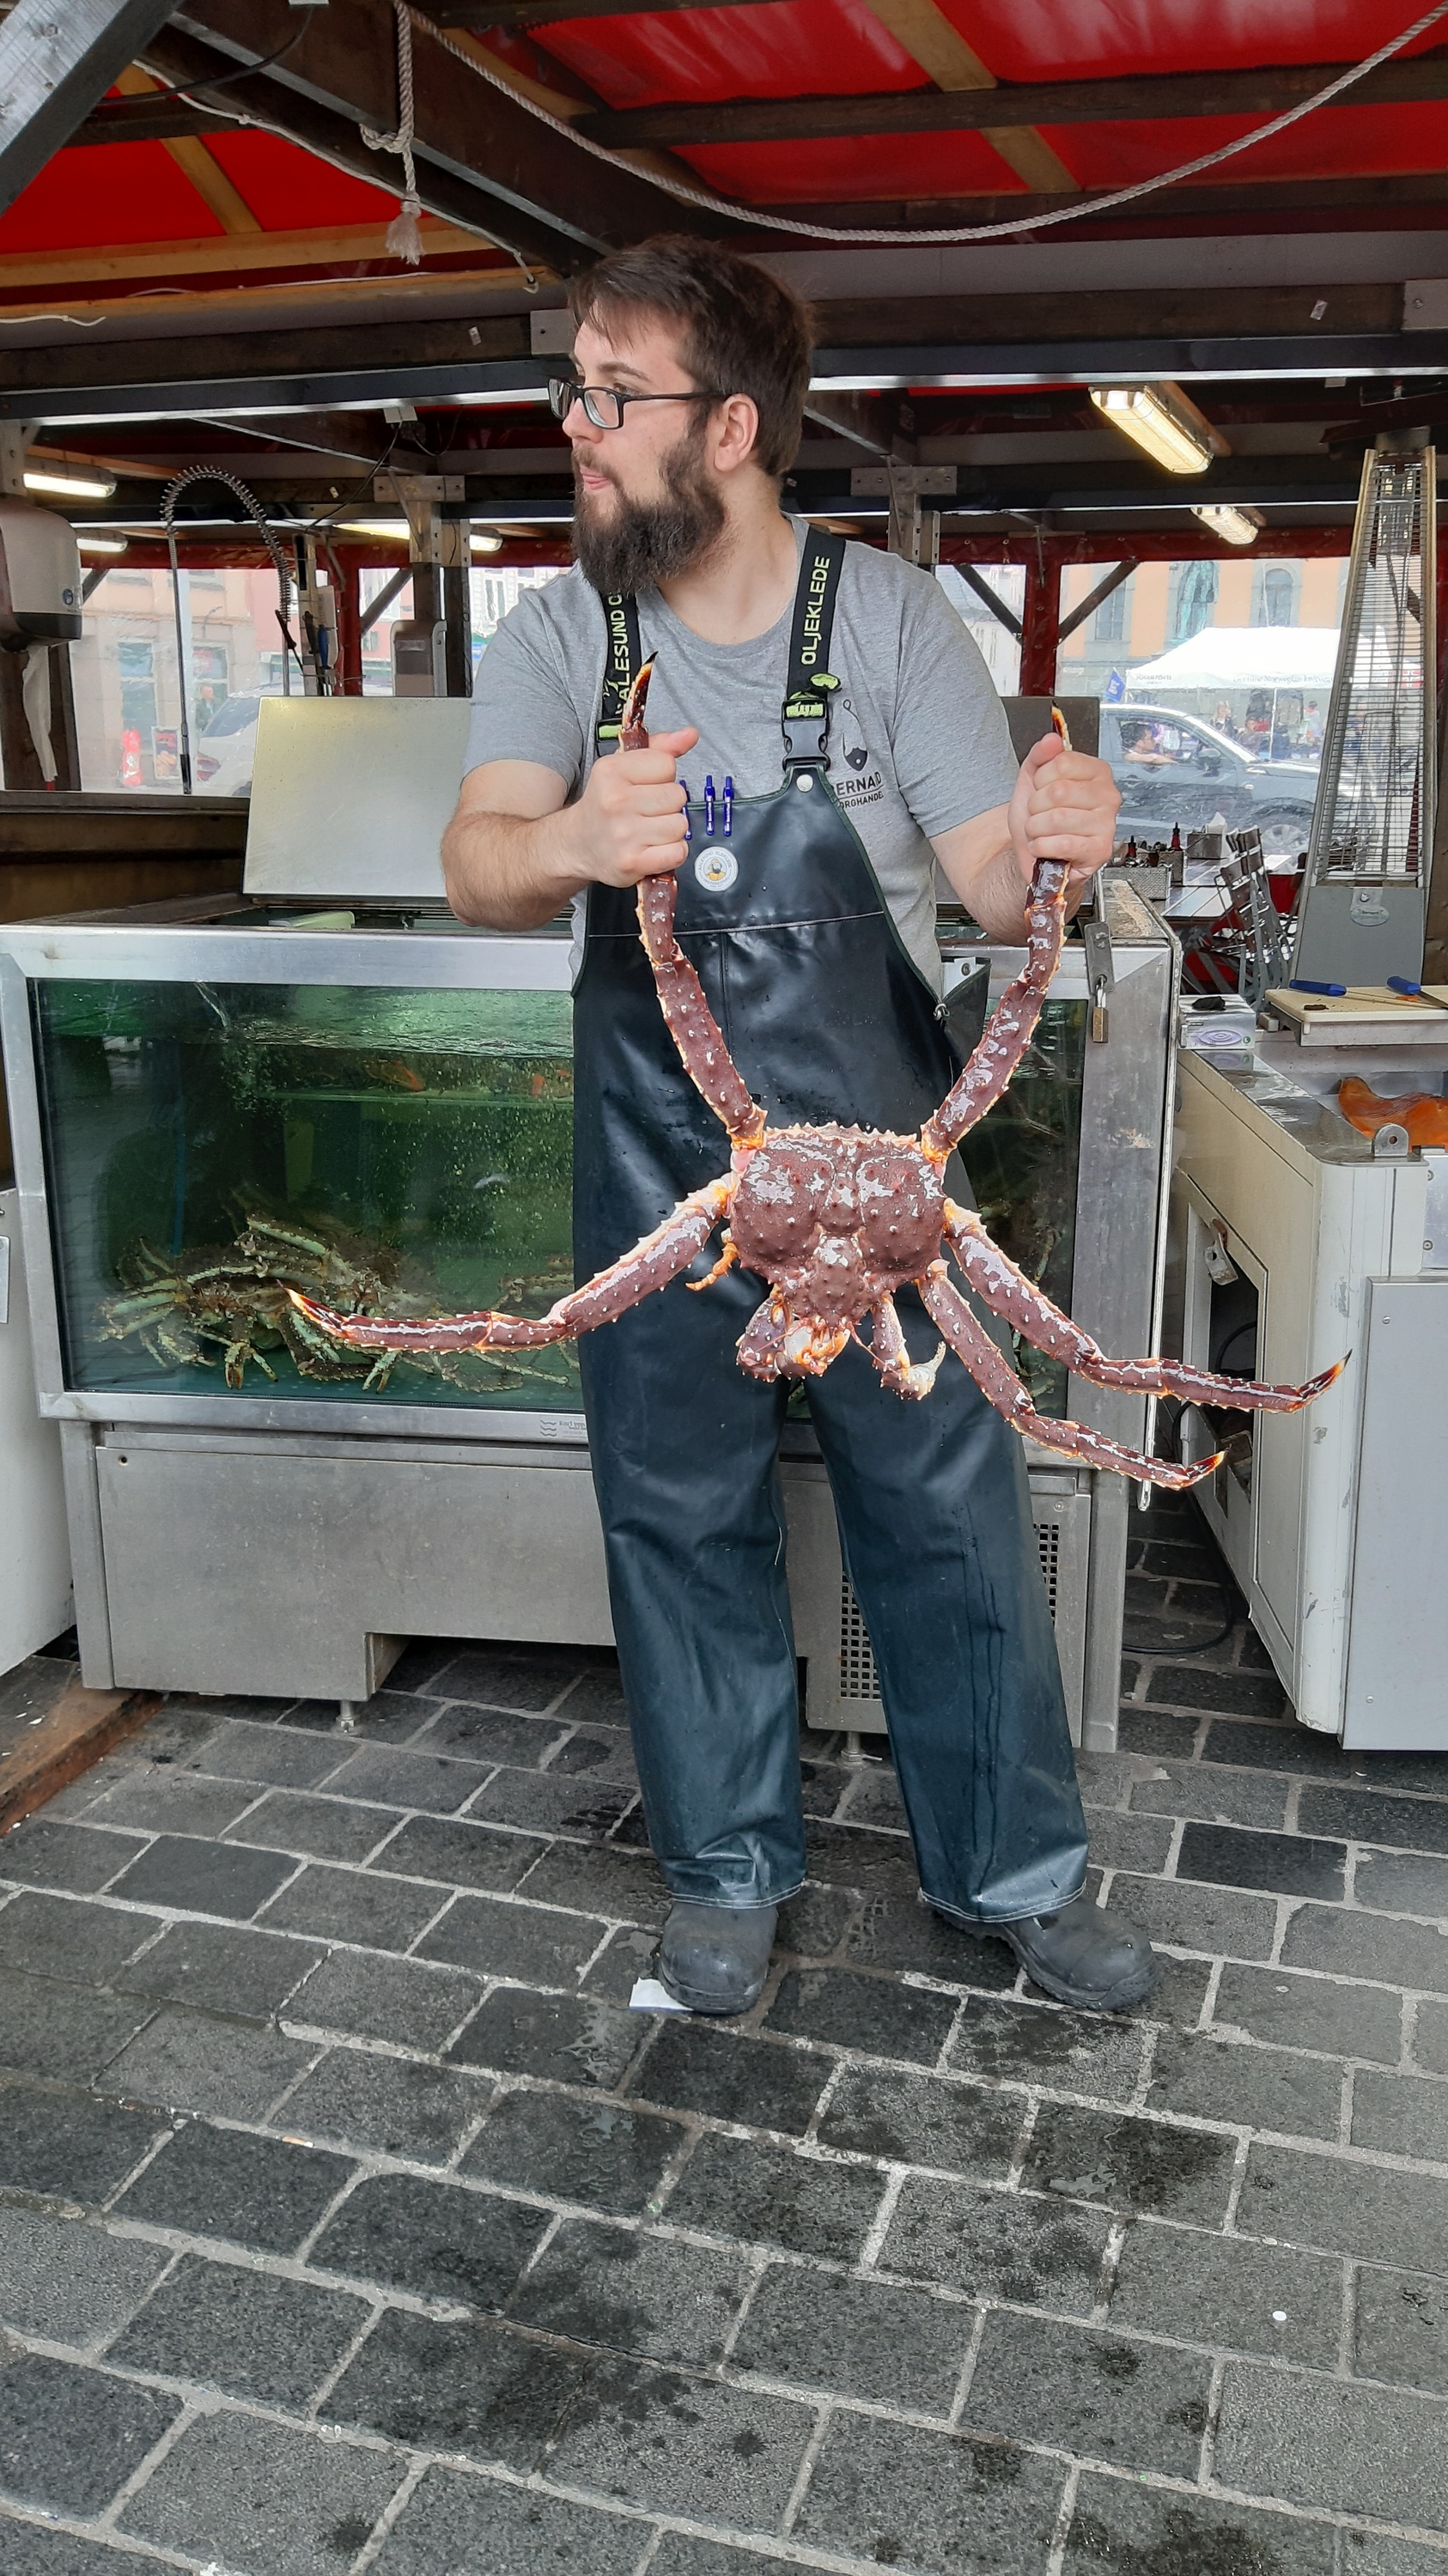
(1008, 1030)
(1008, 1292)
(651, 1264)
(901, 1374)
(691, 1024)
(1001, 1387)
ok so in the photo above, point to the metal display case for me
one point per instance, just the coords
(338, 1086)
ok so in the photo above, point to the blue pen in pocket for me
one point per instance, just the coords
(709, 804)
(728, 807)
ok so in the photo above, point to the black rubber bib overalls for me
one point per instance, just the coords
(826, 1017)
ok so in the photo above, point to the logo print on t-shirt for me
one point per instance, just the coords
(851, 740)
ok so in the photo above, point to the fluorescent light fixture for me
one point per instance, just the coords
(1153, 421)
(69, 487)
(1239, 527)
(102, 545)
(395, 532)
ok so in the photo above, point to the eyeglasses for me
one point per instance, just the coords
(604, 404)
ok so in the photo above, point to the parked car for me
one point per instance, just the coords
(226, 749)
(1173, 768)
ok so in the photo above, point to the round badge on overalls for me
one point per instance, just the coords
(716, 870)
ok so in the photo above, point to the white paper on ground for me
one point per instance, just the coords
(649, 1996)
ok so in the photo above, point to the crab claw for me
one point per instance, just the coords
(632, 733)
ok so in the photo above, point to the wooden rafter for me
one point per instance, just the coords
(198, 164)
(346, 245)
(936, 44)
(468, 133)
(987, 111)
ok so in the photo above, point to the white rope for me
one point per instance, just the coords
(743, 214)
(404, 235)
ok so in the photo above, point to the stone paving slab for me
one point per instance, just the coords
(350, 2219)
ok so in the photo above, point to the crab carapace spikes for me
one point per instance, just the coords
(1009, 1293)
(691, 1024)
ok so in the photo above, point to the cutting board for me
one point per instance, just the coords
(1323, 1019)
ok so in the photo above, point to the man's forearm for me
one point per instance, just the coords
(507, 871)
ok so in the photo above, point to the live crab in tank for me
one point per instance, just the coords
(837, 1220)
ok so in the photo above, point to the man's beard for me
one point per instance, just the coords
(646, 542)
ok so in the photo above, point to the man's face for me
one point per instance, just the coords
(648, 502)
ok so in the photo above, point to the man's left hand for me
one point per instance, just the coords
(1064, 807)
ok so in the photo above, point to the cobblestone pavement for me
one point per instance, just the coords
(348, 2219)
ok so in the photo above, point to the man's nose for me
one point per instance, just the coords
(578, 428)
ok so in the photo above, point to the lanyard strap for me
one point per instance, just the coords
(622, 663)
(811, 684)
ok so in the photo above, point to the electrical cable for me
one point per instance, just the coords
(754, 215)
(232, 483)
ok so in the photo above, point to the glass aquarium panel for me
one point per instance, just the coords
(209, 1146)
(1023, 1161)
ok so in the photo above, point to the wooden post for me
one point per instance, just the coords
(347, 573)
(1041, 623)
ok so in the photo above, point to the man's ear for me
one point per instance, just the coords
(736, 433)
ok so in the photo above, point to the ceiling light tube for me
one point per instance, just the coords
(70, 487)
(90, 545)
(1150, 419)
(1238, 527)
(485, 541)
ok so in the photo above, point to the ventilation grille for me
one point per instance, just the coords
(859, 1679)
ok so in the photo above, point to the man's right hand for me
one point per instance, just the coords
(629, 821)
(516, 852)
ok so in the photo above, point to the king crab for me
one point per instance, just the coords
(836, 1220)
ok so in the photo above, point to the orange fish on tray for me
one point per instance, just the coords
(1424, 1114)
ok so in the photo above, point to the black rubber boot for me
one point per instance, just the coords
(715, 1957)
(1081, 1955)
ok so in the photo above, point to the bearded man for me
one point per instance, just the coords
(810, 881)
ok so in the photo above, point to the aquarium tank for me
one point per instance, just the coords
(211, 1146)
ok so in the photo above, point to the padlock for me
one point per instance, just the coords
(1221, 1269)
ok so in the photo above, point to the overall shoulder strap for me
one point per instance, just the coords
(809, 682)
(621, 665)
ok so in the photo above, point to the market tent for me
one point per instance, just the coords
(1242, 657)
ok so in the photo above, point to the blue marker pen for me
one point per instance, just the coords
(728, 807)
(688, 835)
(1301, 984)
(709, 804)
(1400, 984)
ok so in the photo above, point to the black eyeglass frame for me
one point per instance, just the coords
(565, 391)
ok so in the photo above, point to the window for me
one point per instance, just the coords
(1110, 623)
(1194, 597)
(1274, 601)
(137, 664)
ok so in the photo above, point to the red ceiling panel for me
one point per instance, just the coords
(106, 193)
(289, 191)
(1033, 40)
(1369, 140)
(781, 49)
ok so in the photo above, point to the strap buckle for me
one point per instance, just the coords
(805, 721)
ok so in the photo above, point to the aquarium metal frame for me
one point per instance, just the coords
(1123, 1108)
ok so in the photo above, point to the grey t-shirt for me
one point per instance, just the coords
(919, 740)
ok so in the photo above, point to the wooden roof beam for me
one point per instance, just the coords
(1001, 109)
(469, 136)
(55, 64)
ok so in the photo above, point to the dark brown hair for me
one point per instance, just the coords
(739, 329)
